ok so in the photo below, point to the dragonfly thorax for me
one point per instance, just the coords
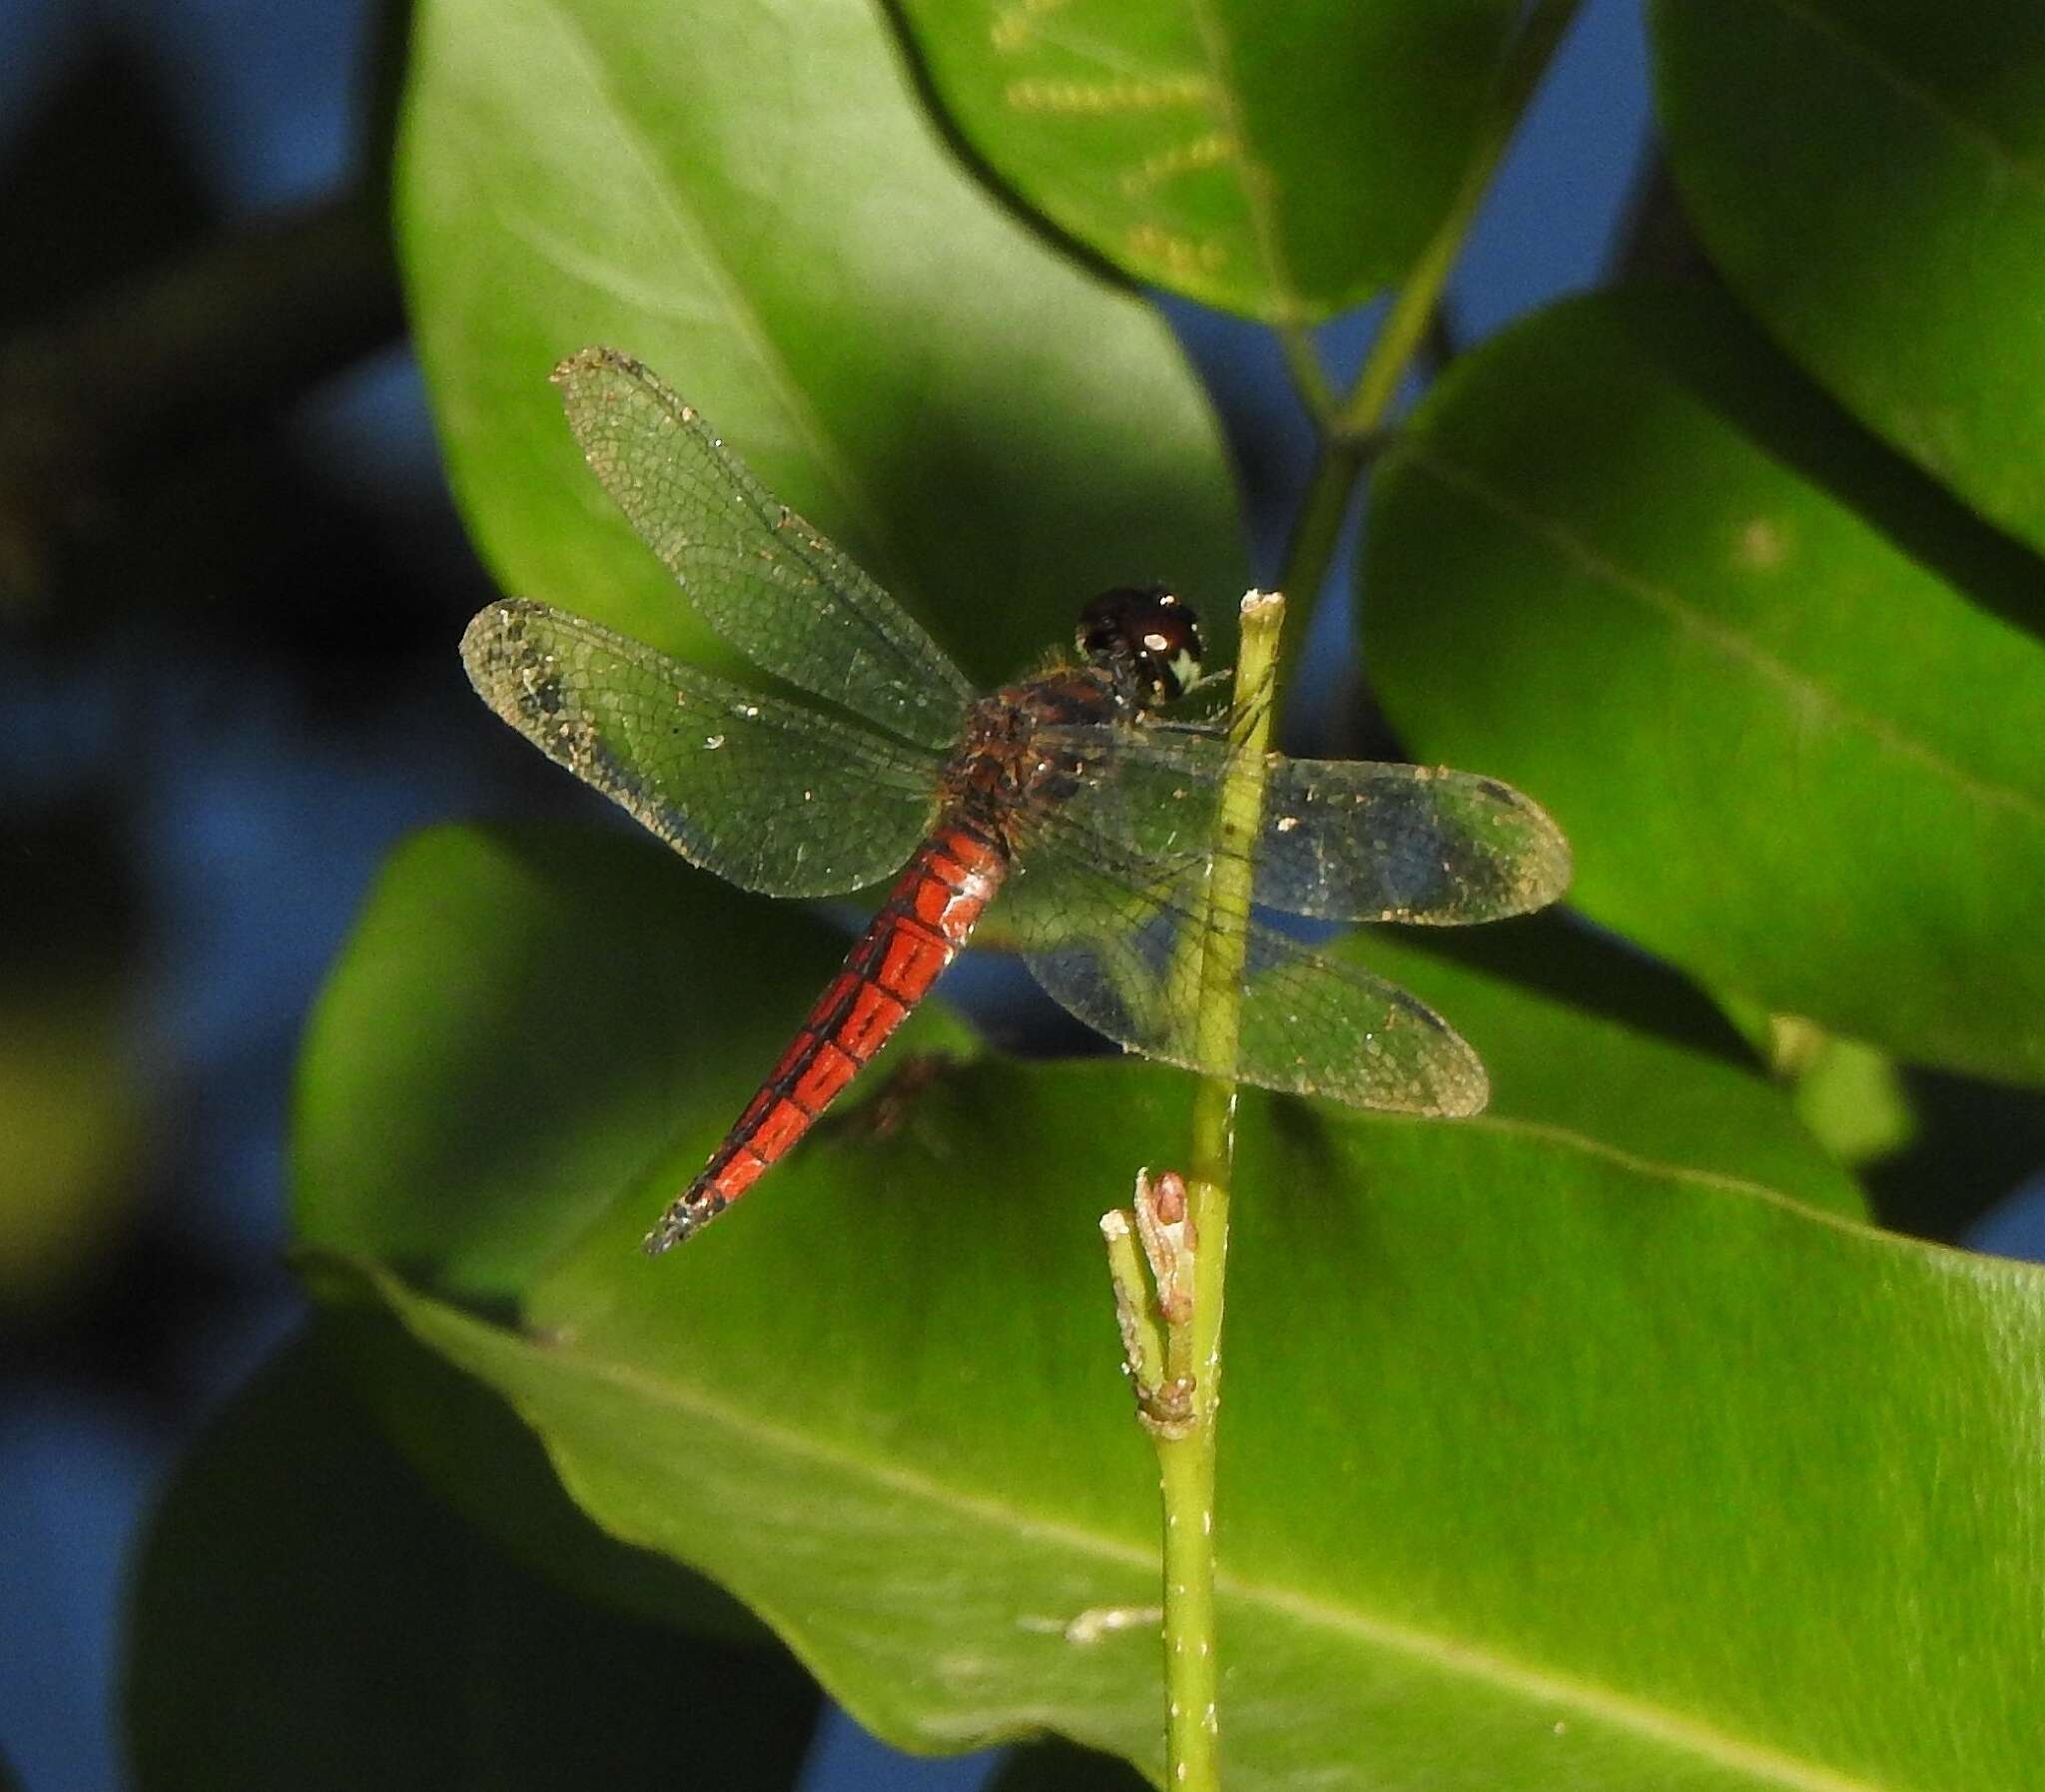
(1004, 766)
(1146, 640)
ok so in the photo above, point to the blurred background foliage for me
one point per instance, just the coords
(1736, 569)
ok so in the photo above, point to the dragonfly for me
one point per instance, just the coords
(1071, 794)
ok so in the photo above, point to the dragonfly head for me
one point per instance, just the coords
(1144, 638)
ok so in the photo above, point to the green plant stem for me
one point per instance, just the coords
(1351, 429)
(1186, 1456)
(1303, 361)
(1317, 528)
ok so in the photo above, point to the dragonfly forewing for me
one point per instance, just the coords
(756, 572)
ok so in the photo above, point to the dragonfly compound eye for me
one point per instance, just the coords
(1147, 637)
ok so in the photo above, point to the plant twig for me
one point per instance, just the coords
(1354, 430)
(1309, 376)
(1184, 1225)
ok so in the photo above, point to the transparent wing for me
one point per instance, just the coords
(1115, 938)
(1343, 839)
(755, 571)
(769, 794)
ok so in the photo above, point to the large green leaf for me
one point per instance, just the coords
(1872, 178)
(758, 208)
(1785, 706)
(307, 1615)
(1285, 164)
(1551, 1460)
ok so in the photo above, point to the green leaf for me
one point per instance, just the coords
(1551, 1460)
(1875, 187)
(1622, 560)
(1285, 168)
(1597, 1442)
(995, 432)
(307, 1615)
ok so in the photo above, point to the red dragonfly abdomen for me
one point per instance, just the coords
(917, 930)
